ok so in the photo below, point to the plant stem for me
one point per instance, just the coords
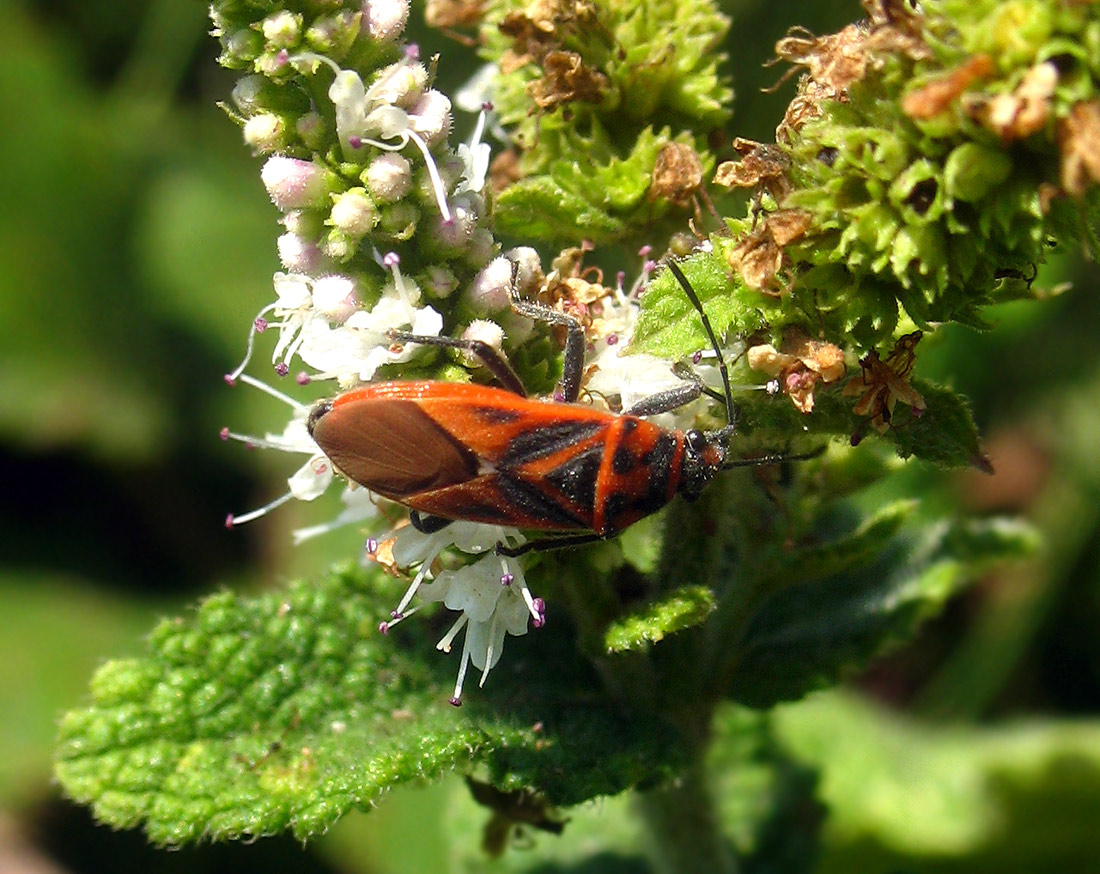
(683, 825)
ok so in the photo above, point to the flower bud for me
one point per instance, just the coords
(400, 84)
(306, 223)
(430, 117)
(491, 289)
(480, 248)
(354, 213)
(333, 35)
(482, 331)
(282, 30)
(334, 297)
(240, 48)
(298, 254)
(388, 177)
(265, 133)
(529, 275)
(296, 184)
(385, 19)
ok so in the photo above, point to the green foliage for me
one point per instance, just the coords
(283, 712)
(641, 628)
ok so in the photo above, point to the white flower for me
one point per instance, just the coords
(491, 593)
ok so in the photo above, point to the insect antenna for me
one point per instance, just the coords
(731, 414)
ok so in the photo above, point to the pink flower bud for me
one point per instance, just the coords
(296, 184)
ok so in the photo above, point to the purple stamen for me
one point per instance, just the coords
(506, 579)
(230, 379)
(302, 378)
(487, 106)
(612, 339)
(455, 701)
(412, 52)
(697, 357)
(391, 259)
(229, 521)
(224, 433)
(645, 250)
(384, 627)
(540, 608)
(355, 142)
(371, 546)
(260, 324)
(282, 368)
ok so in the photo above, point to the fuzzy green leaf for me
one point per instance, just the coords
(808, 635)
(944, 433)
(681, 608)
(669, 326)
(541, 208)
(283, 712)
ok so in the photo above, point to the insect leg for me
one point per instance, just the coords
(496, 363)
(427, 524)
(549, 543)
(572, 368)
(664, 401)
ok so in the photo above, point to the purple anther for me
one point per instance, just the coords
(559, 395)
(455, 701)
(355, 142)
(224, 433)
(302, 378)
(282, 368)
(645, 251)
(506, 579)
(396, 615)
(230, 379)
(260, 324)
(697, 357)
(384, 627)
(371, 546)
(412, 52)
(612, 339)
(391, 259)
(229, 521)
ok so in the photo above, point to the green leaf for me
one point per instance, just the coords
(641, 628)
(251, 717)
(810, 634)
(944, 433)
(669, 326)
(907, 796)
(539, 207)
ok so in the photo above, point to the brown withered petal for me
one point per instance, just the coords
(677, 173)
(1079, 140)
(788, 225)
(566, 79)
(757, 258)
(760, 164)
(823, 358)
(937, 96)
(765, 358)
(884, 382)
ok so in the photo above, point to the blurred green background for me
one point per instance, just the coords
(136, 244)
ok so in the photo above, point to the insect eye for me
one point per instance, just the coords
(697, 440)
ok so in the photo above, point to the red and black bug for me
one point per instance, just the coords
(453, 451)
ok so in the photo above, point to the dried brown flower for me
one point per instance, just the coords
(1023, 112)
(882, 383)
(759, 254)
(761, 164)
(454, 13)
(677, 173)
(800, 366)
(566, 78)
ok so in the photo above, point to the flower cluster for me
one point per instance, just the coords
(359, 164)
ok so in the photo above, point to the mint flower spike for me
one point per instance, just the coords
(362, 113)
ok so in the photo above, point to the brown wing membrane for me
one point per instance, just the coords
(392, 447)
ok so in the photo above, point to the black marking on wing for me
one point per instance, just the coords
(622, 462)
(659, 463)
(530, 501)
(576, 478)
(539, 443)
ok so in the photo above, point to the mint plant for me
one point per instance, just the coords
(930, 158)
